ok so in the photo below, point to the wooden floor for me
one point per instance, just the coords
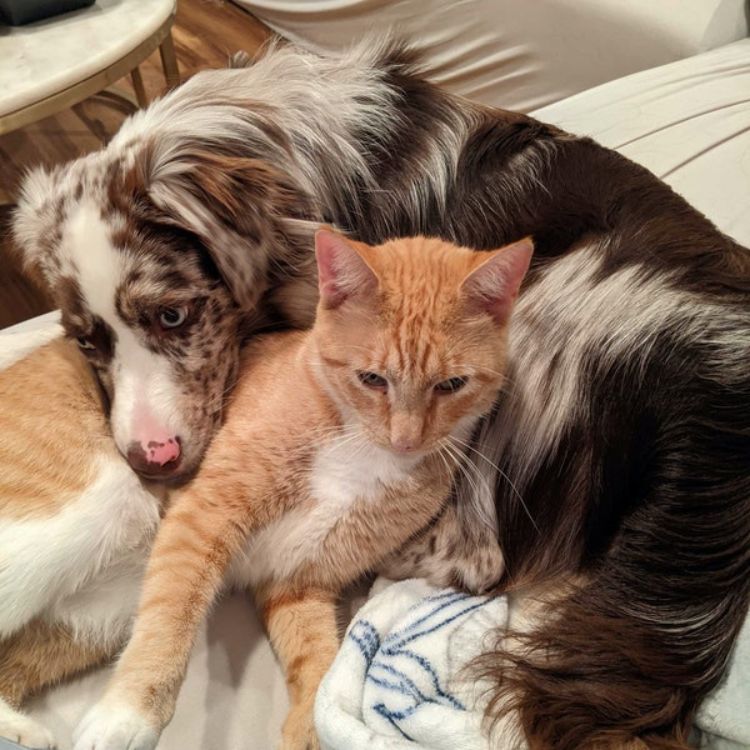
(206, 33)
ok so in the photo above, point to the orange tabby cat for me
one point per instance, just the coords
(334, 453)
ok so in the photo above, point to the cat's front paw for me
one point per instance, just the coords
(114, 726)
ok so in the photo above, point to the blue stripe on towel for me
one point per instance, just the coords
(415, 692)
(380, 654)
(364, 634)
(451, 596)
(392, 717)
(433, 629)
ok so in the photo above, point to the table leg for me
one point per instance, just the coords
(169, 61)
(140, 89)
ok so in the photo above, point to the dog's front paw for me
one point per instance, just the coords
(19, 728)
(114, 726)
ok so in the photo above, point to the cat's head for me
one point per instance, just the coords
(411, 336)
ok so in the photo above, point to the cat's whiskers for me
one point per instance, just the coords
(510, 482)
(441, 453)
(332, 429)
(344, 440)
(354, 436)
(502, 375)
(469, 471)
(337, 442)
(461, 464)
(505, 379)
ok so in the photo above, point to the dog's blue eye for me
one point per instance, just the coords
(451, 385)
(172, 317)
(84, 343)
(373, 380)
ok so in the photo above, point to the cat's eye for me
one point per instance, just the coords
(172, 317)
(451, 385)
(84, 343)
(372, 380)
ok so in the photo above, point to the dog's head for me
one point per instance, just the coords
(156, 259)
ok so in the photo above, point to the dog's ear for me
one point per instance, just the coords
(235, 205)
(36, 221)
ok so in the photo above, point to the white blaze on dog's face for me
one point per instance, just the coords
(148, 424)
(155, 278)
(159, 331)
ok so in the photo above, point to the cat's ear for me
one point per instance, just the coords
(493, 286)
(342, 272)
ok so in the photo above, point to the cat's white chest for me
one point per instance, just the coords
(340, 475)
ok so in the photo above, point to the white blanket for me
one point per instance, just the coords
(399, 680)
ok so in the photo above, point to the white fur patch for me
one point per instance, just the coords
(574, 310)
(83, 565)
(96, 264)
(113, 725)
(342, 474)
(330, 107)
(145, 392)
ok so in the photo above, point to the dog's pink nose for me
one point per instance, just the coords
(155, 458)
(162, 453)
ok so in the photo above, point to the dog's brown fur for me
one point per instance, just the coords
(43, 654)
(42, 468)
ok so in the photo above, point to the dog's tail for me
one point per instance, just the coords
(604, 673)
(629, 653)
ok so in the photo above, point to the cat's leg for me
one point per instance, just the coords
(301, 617)
(303, 631)
(203, 529)
(37, 656)
(456, 549)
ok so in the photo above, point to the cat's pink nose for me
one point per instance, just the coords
(155, 458)
(404, 444)
(406, 432)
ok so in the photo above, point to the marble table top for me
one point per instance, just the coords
(44, 58)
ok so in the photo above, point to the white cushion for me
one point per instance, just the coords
(519, 54)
